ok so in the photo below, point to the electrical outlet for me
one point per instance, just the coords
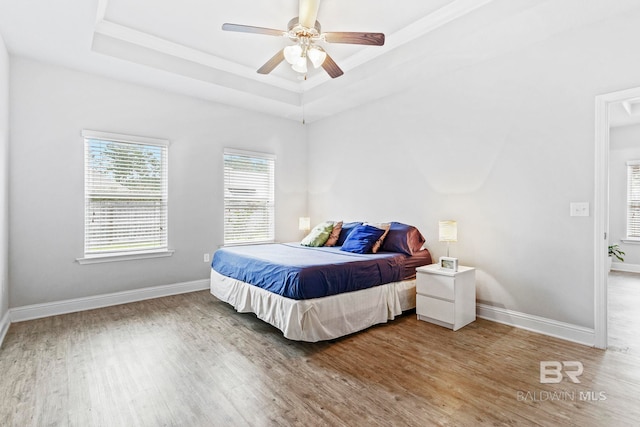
(205, 258)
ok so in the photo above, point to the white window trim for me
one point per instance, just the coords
(122, 256)
(269, 156)
(124, 138)
(115, 257)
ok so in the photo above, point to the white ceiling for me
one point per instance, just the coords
(178, 45)
(624, 113)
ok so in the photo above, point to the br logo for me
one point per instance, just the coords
(551, 371)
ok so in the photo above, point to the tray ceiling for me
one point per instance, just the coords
(179, 45)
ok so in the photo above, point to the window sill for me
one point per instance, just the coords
(267, 242)
(97, 259)
(632, 241)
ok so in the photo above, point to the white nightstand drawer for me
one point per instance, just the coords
(438, 309)
(435, 286)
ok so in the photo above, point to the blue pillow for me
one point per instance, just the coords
(403, 238)
(347, 228)
(362, 239)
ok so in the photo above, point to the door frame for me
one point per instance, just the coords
(601, 208)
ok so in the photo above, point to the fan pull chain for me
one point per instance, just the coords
(302, 102)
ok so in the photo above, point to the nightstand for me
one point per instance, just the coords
(444, 297)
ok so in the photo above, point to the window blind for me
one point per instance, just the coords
(633, 199)
(249, 202)
(125, 194)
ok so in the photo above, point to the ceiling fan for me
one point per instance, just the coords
(304, 31)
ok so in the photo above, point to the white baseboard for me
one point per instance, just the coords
(623, 266)
(541, 325)
(5, 322)
(529, 322)
(37, 311)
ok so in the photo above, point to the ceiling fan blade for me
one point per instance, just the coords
(374, 39)
(272, 63)
(308, 12)
(332, 68)
(249, 29)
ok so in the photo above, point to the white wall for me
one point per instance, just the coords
(4, 182)
(624, 146)
(502, 147)
(50, 105)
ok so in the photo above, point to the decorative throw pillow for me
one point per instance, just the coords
(335, 233)
(362, 239)
(319, 235)
(383, 226)
(403, 238)
(347, 228)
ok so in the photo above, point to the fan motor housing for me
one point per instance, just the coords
(296, 30)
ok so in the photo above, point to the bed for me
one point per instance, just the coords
(316, 293)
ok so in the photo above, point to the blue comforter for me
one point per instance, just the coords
(301, 272)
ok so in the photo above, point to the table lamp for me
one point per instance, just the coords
(448, 232)
(304, 224)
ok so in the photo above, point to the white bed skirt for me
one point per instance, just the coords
(317, 319)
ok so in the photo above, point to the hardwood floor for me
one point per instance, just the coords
(191, 360)
(623, 291)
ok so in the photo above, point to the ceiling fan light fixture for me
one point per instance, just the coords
(292, 53)
(300, 65)
(316, 55)
(304, 31)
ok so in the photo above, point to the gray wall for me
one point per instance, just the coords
(503, 147)
(50, 106)
(4, 180)
(624, 145)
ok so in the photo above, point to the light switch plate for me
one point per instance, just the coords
(579, 209)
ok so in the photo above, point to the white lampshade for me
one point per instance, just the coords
(448, 231)
(300, 65)
(304, 223)
(292, 53)
(316, 55)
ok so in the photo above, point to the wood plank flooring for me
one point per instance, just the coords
(623, 292)
(191, 360)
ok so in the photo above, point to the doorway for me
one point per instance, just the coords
(623, 282)
(601, 210)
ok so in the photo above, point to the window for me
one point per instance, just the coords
(249, 203)
(125, 195)
(633, 199)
